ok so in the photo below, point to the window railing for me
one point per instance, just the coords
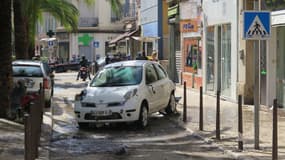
(88, 21)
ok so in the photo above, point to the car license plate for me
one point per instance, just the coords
(101, 113)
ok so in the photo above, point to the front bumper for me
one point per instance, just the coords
(128, 112)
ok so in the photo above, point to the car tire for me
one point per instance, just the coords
(143, 117)
(83, 125)
(171, 107)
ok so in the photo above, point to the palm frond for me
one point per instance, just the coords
(116, 6)
(63, 11)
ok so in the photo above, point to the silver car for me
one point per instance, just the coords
(126, 91)
(34, 73)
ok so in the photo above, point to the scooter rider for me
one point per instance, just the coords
(83, 63)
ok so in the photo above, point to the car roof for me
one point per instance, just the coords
(129, 63)
(26, 62)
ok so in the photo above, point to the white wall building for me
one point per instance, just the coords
(97, 25)
(220, 39)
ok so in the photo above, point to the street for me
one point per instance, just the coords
(162, 139)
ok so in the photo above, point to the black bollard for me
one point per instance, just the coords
(201, 109)
(185, 104)
(275, 132)
(240, 126)
(218, 136)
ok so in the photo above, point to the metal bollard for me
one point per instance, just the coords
(184, 104)
(201, 109)
(28, 149)
(240, 126)
(275, 132)
(218, 136)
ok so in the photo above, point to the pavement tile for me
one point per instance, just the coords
(229, 126)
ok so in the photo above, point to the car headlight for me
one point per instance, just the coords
(130, 94)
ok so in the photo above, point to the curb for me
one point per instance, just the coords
(230, 153)
(11, 123)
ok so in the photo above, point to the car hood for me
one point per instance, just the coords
(106, 94)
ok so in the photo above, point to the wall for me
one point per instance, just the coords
(223, 12)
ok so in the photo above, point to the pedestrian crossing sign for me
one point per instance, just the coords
(256, 25)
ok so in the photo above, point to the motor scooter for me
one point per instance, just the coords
(83, 73)
(20, 101)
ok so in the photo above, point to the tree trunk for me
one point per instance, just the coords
(21, 31)
(6, 56)
(31, 50)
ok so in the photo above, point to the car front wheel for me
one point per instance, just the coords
(143, 118)
(83, 125)
(171, 107)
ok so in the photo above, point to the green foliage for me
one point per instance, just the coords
(195, 66)
(116, 6)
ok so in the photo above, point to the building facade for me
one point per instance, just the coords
(220, 47)
(151, 24)
(98, 24)
(274, 59)
(191, 42)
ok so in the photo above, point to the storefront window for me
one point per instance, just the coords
(210, 52)
(192, 54)
(280, 76)
(226, 60)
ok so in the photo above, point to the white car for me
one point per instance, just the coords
(126, 91)
(34, 73)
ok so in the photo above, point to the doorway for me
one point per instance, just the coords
(280, 76)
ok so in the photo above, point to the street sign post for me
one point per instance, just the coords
(96, 44)
(256, 26)
(50, 43)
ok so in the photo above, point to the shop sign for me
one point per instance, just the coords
(172, 11)
(188, 26)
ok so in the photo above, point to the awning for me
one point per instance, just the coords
(47, 39)
(122, 37)
(145, 39)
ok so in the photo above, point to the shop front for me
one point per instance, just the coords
(192, 53)
(220, 41)
(277, 49)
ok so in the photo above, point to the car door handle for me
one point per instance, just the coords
(152, 89)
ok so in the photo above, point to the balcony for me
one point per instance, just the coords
(88, 21)
(128, 12)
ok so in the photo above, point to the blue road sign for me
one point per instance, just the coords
(50, 43)
(256, 25)
(96, 44)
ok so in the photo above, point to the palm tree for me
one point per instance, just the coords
(6, 57)
(27, 14)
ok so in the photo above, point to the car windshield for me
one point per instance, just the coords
(27, 71)
(118, 76)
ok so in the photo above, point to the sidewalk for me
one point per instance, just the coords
(12, 139)
(229, 126)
